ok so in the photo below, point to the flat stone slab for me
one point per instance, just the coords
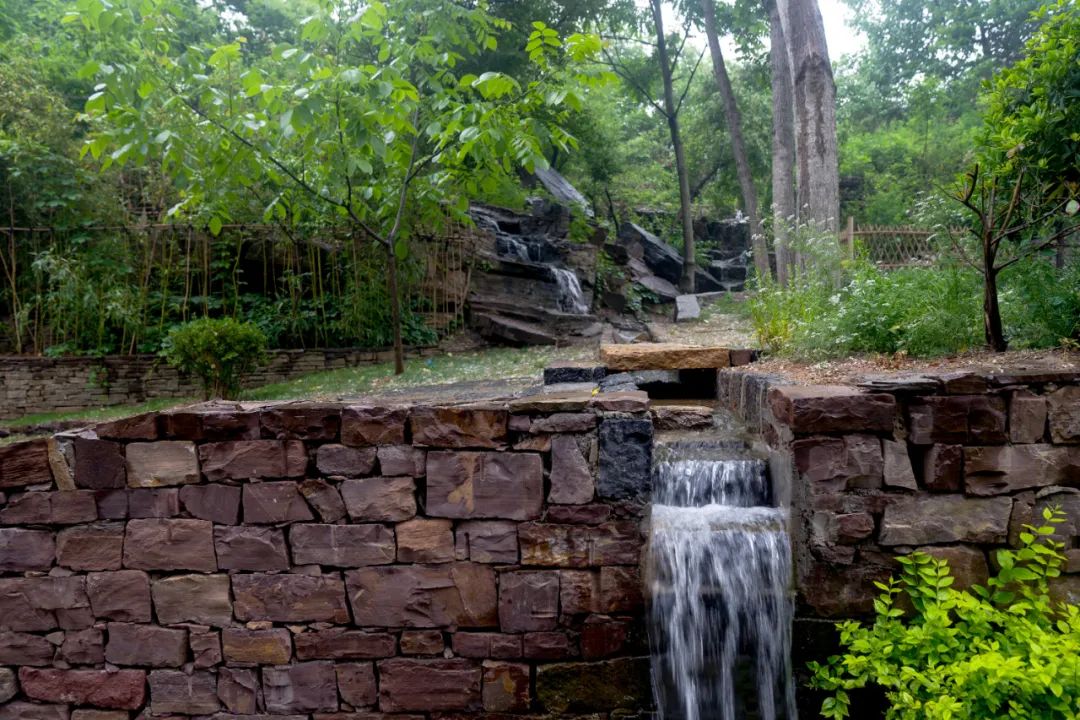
(687, 308)
(663, 356)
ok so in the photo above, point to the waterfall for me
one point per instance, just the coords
(571, 299)
(719, 566)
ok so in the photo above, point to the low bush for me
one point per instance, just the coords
(918, 311)
(219, 351)
(1000, 651)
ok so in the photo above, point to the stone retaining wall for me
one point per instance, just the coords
(337, 563)
(951, 464)
(37, 384)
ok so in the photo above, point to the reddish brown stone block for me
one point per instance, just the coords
(452, 594)
(25, 463)
(301, 688)
(256, 647)
(247, 459)
(607, 686)
(966, 564)
(506, 687)
(342, 545)
(136, 427)
(429, 685)
(122, 595)
(422, 642)
(571, 476)
(380, 499)
(275, 502)
(369, 425)
(402, 460)
(345, 461)
(18, 648)
(289, 598)
(324, 498)
(578, 514)
(156, 464)
(173, 691)
(170, 545)
(83, 647)
(251, 548)
(217, 503)
(996, 470)
(957, 419)
(301, 423)
(1063, 411)
(91, 547)
(487, 645)
(548, 646)
(602, 637)
(809, 409)
(99, 464)
(528, 601)
(146, 645)
(851, 528)
(425, 541)
(485, 485)
(202, 599)
(943, 468)
(834, 464)
(22, 550)
(238, 690)
(897, 470)
(123, 689)
(564, 423)
(212, 426)
(32, 711)
(612, 543)
(487, 541)
(1027, 417)
(338, 644)
(44, 603)
(579, 592)
(111, 504)
(356, 683)
(205, 648)
(459, 427)
(621, 590)
(50, 508)
(153, 503)
(933, 520)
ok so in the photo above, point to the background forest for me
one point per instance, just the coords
(910, 111)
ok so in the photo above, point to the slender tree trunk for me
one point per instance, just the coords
(670, 110)
(738, 145)
(818, 194)
(995, 333)
(395, 308)
(783, 145)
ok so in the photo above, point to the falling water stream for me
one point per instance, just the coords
(571, 298)
(719, 564)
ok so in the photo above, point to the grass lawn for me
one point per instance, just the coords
(490, 364)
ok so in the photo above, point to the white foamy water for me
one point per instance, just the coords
(719, 564)
(571, 298)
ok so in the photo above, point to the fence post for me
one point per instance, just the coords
(849, 237)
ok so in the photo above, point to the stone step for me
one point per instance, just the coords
(663, 356)
(510, 330)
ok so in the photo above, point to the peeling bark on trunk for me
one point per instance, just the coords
(670, 110)
(738, 146)
(783, 146)
(818, 193)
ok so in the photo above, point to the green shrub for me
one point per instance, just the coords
(999, 651)
(219, 351)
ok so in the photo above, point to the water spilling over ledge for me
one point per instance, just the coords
(719, 575)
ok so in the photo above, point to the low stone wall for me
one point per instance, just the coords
(37, 384)
(340, 563)
(952, 465)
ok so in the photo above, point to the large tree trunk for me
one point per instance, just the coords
(670, 110)
(783, 146)
(738, 146)
(818, 196)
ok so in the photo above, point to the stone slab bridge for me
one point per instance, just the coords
(370, 560)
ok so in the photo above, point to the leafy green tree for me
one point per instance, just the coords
(364, 118)
(1025, 196)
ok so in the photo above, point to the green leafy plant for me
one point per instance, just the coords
(219, 351)
(1003, 650)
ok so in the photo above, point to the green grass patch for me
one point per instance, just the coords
(92, 415)
(492, 364)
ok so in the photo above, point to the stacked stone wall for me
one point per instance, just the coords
(35, 384)
(335, 563)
